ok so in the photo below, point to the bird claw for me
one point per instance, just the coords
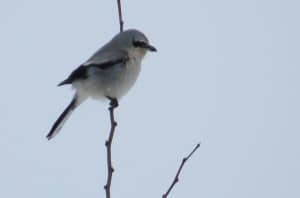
(113, 102)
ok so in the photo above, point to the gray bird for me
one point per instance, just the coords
(109, 73)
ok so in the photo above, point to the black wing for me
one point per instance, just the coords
(108, 64)
(81, 72)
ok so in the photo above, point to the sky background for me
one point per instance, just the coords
(226, 74)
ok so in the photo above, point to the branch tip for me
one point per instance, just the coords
(176, 179)
(120, 15)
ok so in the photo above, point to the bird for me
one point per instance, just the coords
(109, 73)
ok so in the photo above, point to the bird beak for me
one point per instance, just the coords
(151, 48)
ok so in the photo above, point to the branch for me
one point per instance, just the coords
(120, 15)
(176, 179)
(113, 104)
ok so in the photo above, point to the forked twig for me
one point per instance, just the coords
(120, 16)
(176, 179)
(113, 104)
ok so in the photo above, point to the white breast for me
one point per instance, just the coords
(132, 72)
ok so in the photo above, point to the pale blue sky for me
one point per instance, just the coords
(226, 74)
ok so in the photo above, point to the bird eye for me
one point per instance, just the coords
(139, 44)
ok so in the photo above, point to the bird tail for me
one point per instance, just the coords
(76, 101)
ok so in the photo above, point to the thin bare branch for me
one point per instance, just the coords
(113, 104)
(120, 15)
(176, 179)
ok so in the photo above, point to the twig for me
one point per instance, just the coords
(176, 179)
(113, 104)
(120, 15)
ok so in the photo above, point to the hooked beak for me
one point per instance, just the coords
(151, 48)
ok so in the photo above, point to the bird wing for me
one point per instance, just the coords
(101, 61)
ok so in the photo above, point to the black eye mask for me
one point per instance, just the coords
(139, 44)
(142, 44)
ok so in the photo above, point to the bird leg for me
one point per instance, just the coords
(113, 102)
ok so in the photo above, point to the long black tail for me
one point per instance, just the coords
(62, 118)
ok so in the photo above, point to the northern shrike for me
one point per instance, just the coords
(109, 73)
